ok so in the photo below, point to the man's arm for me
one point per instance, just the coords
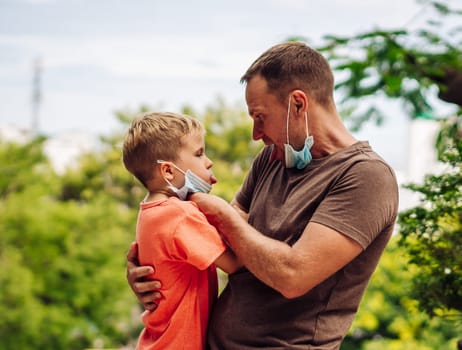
(293, 271)
(145, 290)
(228, 262)
(242, 212)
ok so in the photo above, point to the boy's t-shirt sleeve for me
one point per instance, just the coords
(196, 240)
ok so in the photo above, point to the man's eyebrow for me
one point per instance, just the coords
(252, 111)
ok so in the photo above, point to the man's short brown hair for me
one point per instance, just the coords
(294, 65)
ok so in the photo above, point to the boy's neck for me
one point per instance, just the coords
(156, 196)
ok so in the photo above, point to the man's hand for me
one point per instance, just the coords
(146, 291)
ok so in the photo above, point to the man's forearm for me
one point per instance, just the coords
(271, 261)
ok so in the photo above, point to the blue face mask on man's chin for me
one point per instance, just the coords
(299, 159)
(192, 184)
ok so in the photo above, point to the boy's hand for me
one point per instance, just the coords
(217, 210)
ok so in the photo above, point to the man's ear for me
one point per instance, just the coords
(300, 101)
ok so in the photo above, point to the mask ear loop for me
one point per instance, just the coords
(306, 124)
(287, 122)
(160, 161)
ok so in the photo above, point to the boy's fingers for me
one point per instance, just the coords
(132, 255)
(149, 287)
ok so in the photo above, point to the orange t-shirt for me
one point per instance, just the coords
(176, 238)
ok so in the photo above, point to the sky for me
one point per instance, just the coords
(100, 56)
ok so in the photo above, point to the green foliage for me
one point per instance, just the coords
(62, 282)
(19, 163)
(399, 64)
(388, 317)
(102, 171)
(432, 232)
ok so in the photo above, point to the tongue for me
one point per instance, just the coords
(213, 179)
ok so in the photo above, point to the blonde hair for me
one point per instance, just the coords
(155, 136)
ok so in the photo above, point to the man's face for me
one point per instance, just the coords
(268, 114)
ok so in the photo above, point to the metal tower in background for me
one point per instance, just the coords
(36, 95)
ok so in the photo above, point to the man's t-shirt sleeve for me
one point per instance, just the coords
(362, 203)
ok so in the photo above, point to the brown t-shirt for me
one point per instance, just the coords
(352, 191)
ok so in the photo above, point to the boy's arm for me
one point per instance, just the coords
(228, 262)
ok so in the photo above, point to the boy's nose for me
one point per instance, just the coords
(209, 163)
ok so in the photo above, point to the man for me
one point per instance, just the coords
(320, 208)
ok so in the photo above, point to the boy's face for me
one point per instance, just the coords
(192, 157)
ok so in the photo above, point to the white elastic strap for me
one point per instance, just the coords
(287, 122)
(159, 161)
(306, 123)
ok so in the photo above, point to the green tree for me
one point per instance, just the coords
(389, 318)
(409, 66)
(62, 282)
(432, 232)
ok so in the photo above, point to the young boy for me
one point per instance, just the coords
(166, 153)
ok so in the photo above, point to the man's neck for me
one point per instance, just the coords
(330, 135)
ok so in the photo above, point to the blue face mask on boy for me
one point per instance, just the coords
(302, 158)
(192, 183)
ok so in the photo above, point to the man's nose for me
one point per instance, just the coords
(257, 134)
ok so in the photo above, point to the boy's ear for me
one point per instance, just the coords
(166, 170)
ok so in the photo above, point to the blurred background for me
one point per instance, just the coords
(74, 73)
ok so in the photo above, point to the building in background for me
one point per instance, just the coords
(421, 158)
(62, 149)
